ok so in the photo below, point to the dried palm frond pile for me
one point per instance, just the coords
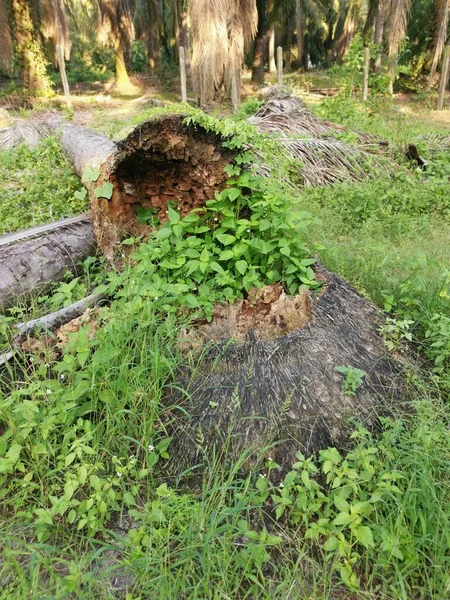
(436, 142)
(323, 158)
(287, 114)
(22, 131)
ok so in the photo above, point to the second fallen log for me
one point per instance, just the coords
(32, 259)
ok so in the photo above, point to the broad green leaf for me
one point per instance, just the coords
(80, 194)
(241, 266)
(226, 255)
(234, 193)
(104, 191)
(226, 239)
(364, 535)
(331, 544)
(343, 518)
(90, 174)
(341, 504)
(174, 217)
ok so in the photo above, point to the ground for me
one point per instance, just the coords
(88, 510)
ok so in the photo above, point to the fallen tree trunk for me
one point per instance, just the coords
(31, 259)
(167, 160)
(160, 161)
(50, 322)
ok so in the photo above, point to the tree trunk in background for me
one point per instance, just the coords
(271, 37)
(122, 79)
(369, 26)
(271, 47)
(441, 10)
(185, 27)
(397, 21)
(28, 48)
(115, 28)
(379, 33)
(300, 23)
(258, 56)
(345, 39)
(153, 43)
(288, 51)
(6, 43)
(54, 28)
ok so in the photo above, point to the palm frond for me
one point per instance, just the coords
(22, 131)
(436, 142)
(322, 159)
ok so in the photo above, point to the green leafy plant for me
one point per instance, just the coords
(246, 237)
(353, 378)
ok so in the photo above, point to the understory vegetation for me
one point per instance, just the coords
(88, 510)
(37, 186)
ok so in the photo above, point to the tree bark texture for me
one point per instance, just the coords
(29, 51)
(27, 267)
(379, 33)
(6, 43)
(160, 161)
(251, 390)
(258, 54)
(300, 22)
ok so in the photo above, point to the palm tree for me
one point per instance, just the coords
(260, 41)
(349, 23)
(54, 28)
(6, 43)
(220, 31)
(441, 11)
(115, 27)
(396, 21)
(29, 52)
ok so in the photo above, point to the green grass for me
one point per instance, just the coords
(37, 186)
(85, 442)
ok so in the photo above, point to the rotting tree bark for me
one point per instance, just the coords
(160, 161)
(281, 391)
(27, 267)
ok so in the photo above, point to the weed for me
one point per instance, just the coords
(353, 378)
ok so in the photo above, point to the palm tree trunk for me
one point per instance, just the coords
(6, 44)
(397, 19)
(29, 51)
(300, 17)
(258, 55)
(441, 9)
(153, 45)
(122, 79)
(343, 44)
(271, 44)
(378, 33)
(369, 25)
(185, 27)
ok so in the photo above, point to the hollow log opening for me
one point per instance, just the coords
(160, 162)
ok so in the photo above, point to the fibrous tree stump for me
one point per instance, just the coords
(268, 378)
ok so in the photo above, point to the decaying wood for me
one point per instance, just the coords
(60, 317)
(27, 267)
(54, 321)
(283, 390)
(162, 160)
